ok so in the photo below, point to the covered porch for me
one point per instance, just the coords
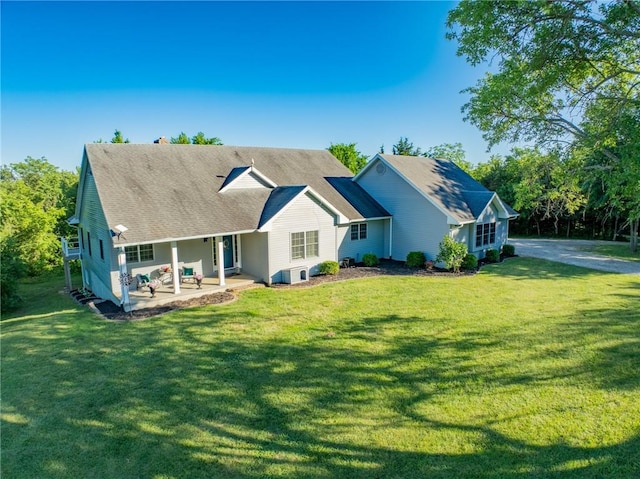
(141, 298)
(175, 265)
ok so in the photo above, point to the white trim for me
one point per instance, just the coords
(248, 171)
(122, 268)
(220, 258)
(390, 237)
(238, 247)
(186, 238)
(362, 220)
(175, 266)
(307, 189)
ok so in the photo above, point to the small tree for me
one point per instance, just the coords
(452, 253)
(405, 147)
(349, 156)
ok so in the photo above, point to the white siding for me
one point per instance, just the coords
(502, 232)
(255, 252)
(247, 181)
(417, 224)
(304, 214)
(98, 272)
(195, 254)
(377, 233)
(464, 234)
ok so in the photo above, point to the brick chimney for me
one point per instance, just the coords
(161, 141)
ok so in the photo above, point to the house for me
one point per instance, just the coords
(268, 212)
(428, 198)
(274, 214)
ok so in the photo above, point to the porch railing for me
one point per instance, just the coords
(70, 248)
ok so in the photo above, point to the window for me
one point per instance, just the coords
(304, 244)
(485, 234)
(312, 243)
(89, 242)
(359, 231)
(101, 250)
(139, 253)
(146, 252)
(297, 245)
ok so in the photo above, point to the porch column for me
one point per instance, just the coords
(67, 274)
(174, 267)
(124, 285)
(220, 256)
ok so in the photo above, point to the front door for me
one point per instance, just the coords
(227, 242)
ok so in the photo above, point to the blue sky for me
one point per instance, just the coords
(281, 74)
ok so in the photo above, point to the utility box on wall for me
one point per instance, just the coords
(295, 275)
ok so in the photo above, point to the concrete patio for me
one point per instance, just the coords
(141, 298)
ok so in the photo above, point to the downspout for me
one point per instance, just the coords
(391, 238)
(268, 255)
(335, 241)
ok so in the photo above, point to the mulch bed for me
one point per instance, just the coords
(114, 312)
(386, 267)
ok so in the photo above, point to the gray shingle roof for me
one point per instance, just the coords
(165, 192)
(449, 187)
(358, 197)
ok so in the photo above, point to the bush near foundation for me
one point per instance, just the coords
(469, 263)
(370, 259)
(492, 255)
(329, 267)
(415, 259)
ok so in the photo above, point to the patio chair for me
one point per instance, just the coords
(142, 280)
(187, 274)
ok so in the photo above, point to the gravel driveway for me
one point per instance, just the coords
(573, 252)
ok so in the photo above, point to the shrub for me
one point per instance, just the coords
(469, 262)
(492, 255)
(451, 253)
(370, 259)
(415, 259)
(508, 250)
(329, 267)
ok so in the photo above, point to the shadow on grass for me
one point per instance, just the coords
(178, 401)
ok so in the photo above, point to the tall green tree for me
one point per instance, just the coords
(405, 147)
(450, 151)
(197, 139)
(200, 139)
(554, 65)
(499, 174)
(548, 187)
(37, 198)
(348, 155)
(181, 139)
(118, 138)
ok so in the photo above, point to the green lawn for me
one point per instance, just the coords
(616, 250)
(529, 369)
